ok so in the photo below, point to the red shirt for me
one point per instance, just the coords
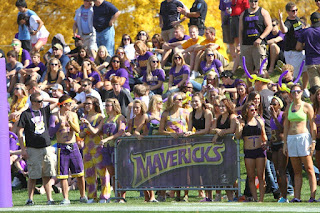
(238, 6)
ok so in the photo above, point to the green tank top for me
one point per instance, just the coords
(300, 115)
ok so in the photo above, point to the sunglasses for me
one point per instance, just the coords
(68, 104)
(14, 44)
(273, 103)
(126, 39)
(108, 105)
(87, 104)
(253, 109)
(190, 87)
(179, 99)
(159, 102)
(115, 61)
(155, 62)
(39, 101)
(177, 57)
(70, 69)
(296, 10)
(296, 91)
(52, 64)
(210, 54)
(18, 88)
(142, 34)
(120, 53)
(273, 25)
(84, 85)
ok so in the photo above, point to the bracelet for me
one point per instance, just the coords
(314, 141)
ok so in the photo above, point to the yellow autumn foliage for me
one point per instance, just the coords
(136, 15)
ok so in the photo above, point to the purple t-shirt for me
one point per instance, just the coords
(75, 76)
(272, 122)
(223, 6)
(143, 61)
(281, 43)
(121, 72)
(40, 65)
(216, 63)
(25, 56)
(177, 77)
(128, 66)
(185, 37)
(157, 75)
(94, 75)
(311, 37)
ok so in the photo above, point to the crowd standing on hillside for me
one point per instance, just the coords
(82, 97)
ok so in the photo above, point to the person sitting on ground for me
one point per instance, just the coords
(54, 75)
(155, 76)
(73, 77)
(23, 56)
(102, 59)
(13, 68)
(128, 46)
(35, 71)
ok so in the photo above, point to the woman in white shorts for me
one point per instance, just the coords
(298, 143)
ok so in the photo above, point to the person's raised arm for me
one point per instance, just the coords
(283, 27)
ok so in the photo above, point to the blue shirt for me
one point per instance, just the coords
(84, 21)
(24, 33)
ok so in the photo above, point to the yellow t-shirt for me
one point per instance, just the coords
(190, 42)
(221, 49)
(19, 104)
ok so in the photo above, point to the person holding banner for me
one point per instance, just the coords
(299, 143)
(93, 152)
(113, 127)
(174, 120)
(252, 130)
(200, 119)
(225, 124)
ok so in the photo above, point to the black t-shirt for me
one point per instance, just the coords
(294, 30)
(36, 138)
(201, 7)
(169, 13)
(266, 97)
(124, 99)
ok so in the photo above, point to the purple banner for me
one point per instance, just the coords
(160, 161)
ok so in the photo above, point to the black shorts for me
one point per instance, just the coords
(276, 147)
(255, 153)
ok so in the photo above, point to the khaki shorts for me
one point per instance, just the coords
(167, 34)
(41, 162)
(254, 56)
(314, 74)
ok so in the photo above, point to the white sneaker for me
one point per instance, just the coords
(102, 201)
(16, 182)
(194, 74)
(83, 199)
(91, 201)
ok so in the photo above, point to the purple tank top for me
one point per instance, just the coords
(273, 124)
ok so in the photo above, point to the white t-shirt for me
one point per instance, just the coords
(43, 95)
(43, 32)
(82, 98)
(130, 51)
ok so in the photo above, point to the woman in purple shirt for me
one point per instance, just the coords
(73, 76)
(155, 76)
(90, 71)
(142, 59)
(82, 55)
(179, 74)
(117, 68)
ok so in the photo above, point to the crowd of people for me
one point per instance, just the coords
(88, 97)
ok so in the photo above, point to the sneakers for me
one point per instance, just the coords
(65, 202)
(276, 194)
(16, 182)
(91, 201)
(312, 200)
(83, 199)
(153, 201)
(29, 203)
(102, 201)
(206, 200)
(295, 200)
(218, 198)
(194, 74)
(50, 202)
(283, 200)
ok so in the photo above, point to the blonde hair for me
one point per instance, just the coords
(142, 104)
(149, 69)
(182, 59)
(215, 76)
(153, 103)
(171, 99)
(16, 40)
(49, 67)
(15, 98)
(140, 45)
(115, 105)
(102, 47)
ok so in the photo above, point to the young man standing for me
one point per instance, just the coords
(292, 27)
(66, 124)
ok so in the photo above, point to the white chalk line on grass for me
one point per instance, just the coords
(232, 207)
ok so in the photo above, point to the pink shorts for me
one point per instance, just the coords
(44, 41)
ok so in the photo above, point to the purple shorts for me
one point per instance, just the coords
(108, 155)
(69, 157)
(255, 153)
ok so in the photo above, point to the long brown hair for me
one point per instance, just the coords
(316, 103)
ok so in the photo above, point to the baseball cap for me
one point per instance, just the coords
(58, 46)
(57, 87)
(315, 19)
